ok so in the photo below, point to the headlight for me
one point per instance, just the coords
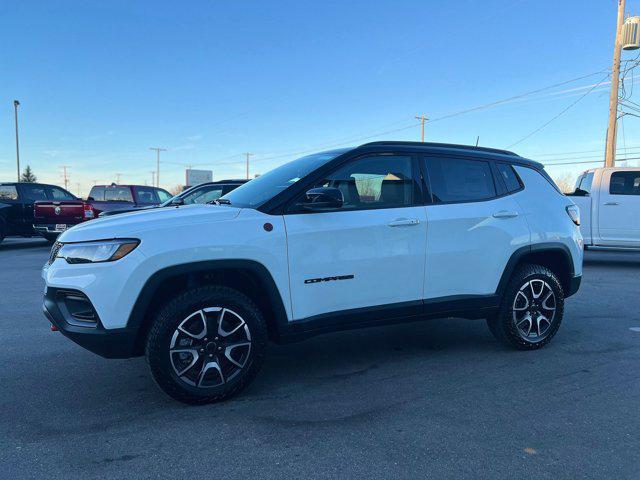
(100, 251)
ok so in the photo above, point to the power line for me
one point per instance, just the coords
(562, 112)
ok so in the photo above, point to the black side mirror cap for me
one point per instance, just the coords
(323, 199)
(177, 202)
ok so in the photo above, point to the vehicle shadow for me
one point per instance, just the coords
(621, 259)
(23, 243)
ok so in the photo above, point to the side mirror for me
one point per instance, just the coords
(177, 202)
(90, 199)
(322, 199)
(581, 193)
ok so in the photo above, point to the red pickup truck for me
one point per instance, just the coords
(62, 210)
(57, 211)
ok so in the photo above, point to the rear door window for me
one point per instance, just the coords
(33, 193)
(625, 183)
(456, 180)
(118, 194)
(60, 194)
(146, 195)
(8, 192)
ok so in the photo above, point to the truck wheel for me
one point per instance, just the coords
(206, 344)
(531, 310)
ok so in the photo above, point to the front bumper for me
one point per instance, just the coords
(112, 343)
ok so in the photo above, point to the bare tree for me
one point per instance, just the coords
(565, 182)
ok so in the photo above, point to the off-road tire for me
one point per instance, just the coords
(503, 326)
(166, 323)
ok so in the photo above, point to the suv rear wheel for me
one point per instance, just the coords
(206, 344)
(531, 310)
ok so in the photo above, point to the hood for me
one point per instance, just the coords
(137, 224)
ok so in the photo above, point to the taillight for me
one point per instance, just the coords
(574, 213)
(88, 212)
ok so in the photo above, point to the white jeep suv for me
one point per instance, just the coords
(383, 233)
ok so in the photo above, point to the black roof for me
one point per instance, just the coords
(485, 152)
(443, 145)
(30, 183)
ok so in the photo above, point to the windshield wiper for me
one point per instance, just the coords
(221, 201)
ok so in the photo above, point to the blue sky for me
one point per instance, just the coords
(100, 82)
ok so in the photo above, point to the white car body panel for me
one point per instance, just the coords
(468, 248)
(387, 262)
(169, 236)
(537, 200)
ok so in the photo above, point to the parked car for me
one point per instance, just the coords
(383, 233)
(108, 198)
(203, 193)
(609, 201)
(17, 206)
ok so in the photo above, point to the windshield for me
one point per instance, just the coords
(256, 192)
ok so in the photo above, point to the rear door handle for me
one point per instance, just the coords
(612, 204)
(404, 222)
(505, 214)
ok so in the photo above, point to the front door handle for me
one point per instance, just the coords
(611, 204)
(404, 222)
(505, 214)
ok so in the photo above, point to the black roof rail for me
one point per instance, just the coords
(443, 145)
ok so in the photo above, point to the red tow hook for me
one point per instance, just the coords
(54, 328)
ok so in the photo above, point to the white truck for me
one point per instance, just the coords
(609, 202)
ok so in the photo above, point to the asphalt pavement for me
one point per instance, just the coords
(438, 399)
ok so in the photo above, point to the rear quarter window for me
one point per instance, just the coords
(510, 177)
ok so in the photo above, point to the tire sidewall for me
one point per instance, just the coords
(507, 324)
(184, 305)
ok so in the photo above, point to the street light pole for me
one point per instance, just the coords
(610, 151)
(158, 150)
(16, 103)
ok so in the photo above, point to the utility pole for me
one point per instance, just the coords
(16, 104)
(610, 151)
(65, 176)
(248, 155)
(153, 177)
(158, 150)
(118, 175)
(422, 119)
(78, 185)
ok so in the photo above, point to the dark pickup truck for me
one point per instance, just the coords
(108, 198)
(22, 205)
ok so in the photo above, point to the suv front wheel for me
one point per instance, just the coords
(531, 310)
(206, 344)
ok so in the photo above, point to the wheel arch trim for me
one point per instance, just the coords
(537, 248)
(154, 282)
